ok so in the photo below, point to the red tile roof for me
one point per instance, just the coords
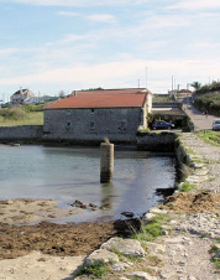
(100, 101)
(109, 91)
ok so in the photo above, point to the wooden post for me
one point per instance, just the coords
(106, 162)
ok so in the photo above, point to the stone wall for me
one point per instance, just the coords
(163, 141)
(22, 132)
(83, 125)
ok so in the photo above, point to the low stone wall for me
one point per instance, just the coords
(22, 132)
(164, 141)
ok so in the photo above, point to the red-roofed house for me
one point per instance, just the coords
(96, 114)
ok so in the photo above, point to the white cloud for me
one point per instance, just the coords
(102, 18)
(121, 74)
(167, 21)
(69, 38)
(78, 3)
(196, 5)
(67, 14)
(8, 51)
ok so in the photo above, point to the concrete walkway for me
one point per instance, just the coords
(200, 120)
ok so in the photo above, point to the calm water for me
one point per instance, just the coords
(66, 174)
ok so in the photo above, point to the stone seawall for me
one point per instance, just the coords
(164, 141)
(22, 133)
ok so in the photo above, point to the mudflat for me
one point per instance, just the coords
(33, 247)
(19, 237)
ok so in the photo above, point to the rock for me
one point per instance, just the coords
(93, 206)
(191, 277)
(148, 216)
(156, 210)
(156, 248)
(101, 255)
(142, 275)
(165, 192)
(125, 246)
(9, 202)
(128, 214)
(216, 256)
(217, 245)
(120, 267)
(79, 204)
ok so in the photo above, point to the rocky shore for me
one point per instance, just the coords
(188, 249)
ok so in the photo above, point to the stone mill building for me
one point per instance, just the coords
(95, 114)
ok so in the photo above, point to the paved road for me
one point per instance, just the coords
(200, 120)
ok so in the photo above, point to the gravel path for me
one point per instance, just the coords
(191, 225)
(187, 255)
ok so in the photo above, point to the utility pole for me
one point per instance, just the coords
(172, 84)
(146, 76)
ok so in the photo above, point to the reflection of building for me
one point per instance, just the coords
(21, 95)
(96, 114)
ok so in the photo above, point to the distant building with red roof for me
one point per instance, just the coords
(95, 114)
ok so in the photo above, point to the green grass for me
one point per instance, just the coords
(151, 230)
(122, 257)
(163, 99)
(187, 187)
(210, 137)
(20, 116)
(98, 269)
(214, 249)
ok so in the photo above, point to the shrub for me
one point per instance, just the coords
(97, 269)
(13, 113)
(186, 187)
(151, 230)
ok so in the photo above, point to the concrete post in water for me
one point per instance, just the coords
(106, 162)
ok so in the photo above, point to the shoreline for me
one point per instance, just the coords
(190, 230)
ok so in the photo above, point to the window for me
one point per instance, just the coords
(68, 124)
(92, 125)
(123, 125)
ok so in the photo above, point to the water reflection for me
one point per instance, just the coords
(107, 194)
(67, 174)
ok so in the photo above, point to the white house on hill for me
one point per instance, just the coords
(21, 95)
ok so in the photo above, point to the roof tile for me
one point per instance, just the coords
(100, 101)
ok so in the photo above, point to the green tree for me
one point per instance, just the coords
(196, 85)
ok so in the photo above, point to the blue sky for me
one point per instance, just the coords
(53, 45)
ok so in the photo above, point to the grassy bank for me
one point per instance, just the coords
(210, 137)
(21, 116)
(210, 102)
